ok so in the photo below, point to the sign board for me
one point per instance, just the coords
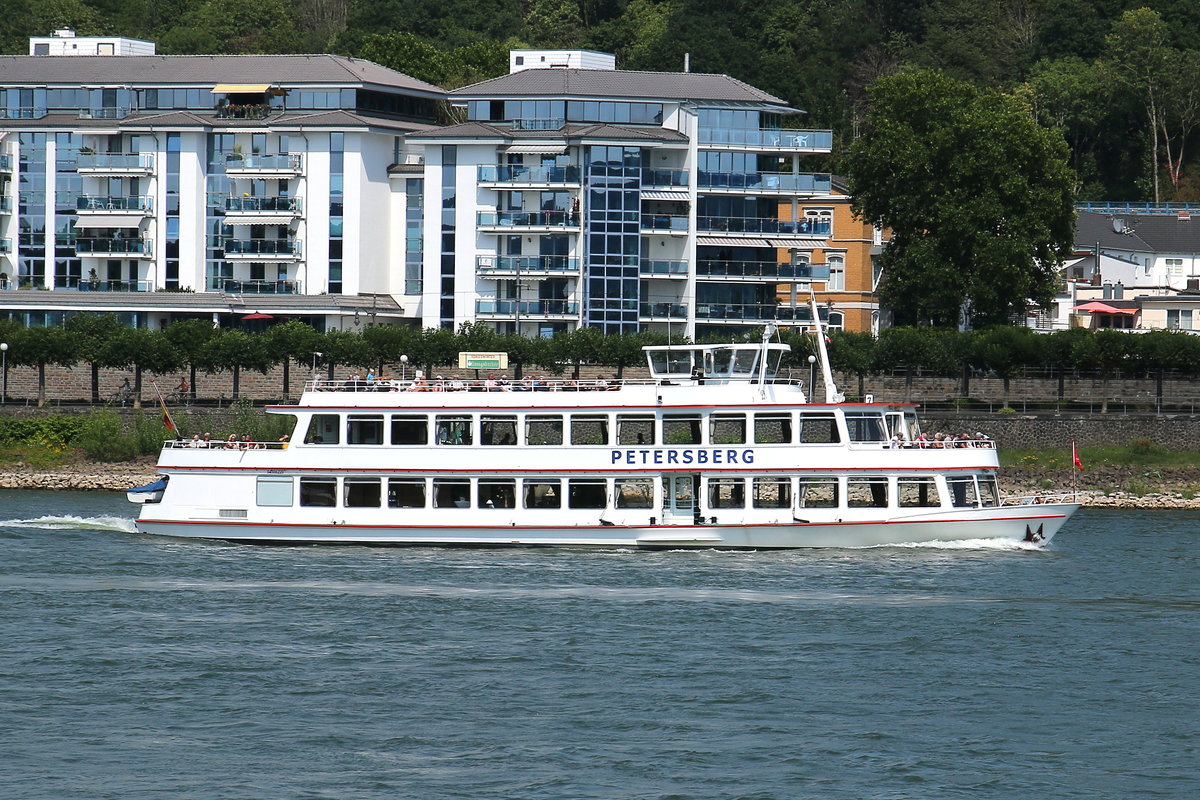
(483, 360)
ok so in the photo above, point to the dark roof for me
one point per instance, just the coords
(194, 302)
(201, 119)
(285, 70)
(1149, 233)
(482, 130)
(616, 83)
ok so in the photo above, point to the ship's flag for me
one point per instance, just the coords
(166, 417)
(1075, 457)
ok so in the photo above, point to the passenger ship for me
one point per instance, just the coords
(715, 450)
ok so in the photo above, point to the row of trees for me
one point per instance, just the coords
(98, 341)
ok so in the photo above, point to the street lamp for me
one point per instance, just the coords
(812, 363)
(4, 368)
(315, 356)
(403, 364)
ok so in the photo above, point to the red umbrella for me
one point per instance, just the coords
(258, 315)
(1103, 308)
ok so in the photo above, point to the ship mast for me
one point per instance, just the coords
(832, 395)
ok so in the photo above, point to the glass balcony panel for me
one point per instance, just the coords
(94, 203)
(528, 219)
(652, 268)
(807, 227)
(517, 173)
(118, 161)
(515, 264)
(105, 246)
(287, 205)
(664, 222)
(802, 139)
(667, 310)
(218, 284)
(668, 178)
(268, 247)
(766, 181)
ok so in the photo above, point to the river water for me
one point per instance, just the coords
(144, 667)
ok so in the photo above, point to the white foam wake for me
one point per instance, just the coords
(70, 522)
(970, 544)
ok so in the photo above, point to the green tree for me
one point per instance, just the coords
(854, 353)
(91, 333)
(190, 337)
(291, 341)
(236, 350)
(1005, 350)
(37, 347)
(978, 198)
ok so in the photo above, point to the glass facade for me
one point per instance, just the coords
(612, 223)
(31, 211)
(448, 243)
(414, 234)
(553, 114)
(337, 167)
(171, 277)
(68, 188)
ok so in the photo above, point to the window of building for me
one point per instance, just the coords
(836, 321)
(323, 429)
(454, 430)
(541, 493)
(497, 493)
(1174, 266)
(1179, 319)
(818, 492)
(410, 429)
(837, 274)
(363, 429)
(818, 428)
(634, 492)
(318, 492)
(866, 492)
(917, 493)
(543, 430)
(451, 493)
(635, 429)
(406, 492)
(726, 493)
(274, 491)
(772, 428)
(360, 493)
(772, 493)
(589, 429)
(587, 493)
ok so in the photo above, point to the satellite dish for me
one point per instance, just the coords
(1118, 225)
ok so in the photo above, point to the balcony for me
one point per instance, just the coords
(789, 140)
(104, 113)
(539, 124)
(286, 164)
(5, 163)
(23, 112)
(262, 250)
(5, 205)
(527, 308)
(5, 245)
(767, 182)
(139, 248)
(767, 270)
(247, 111)
(752, 312)
(232, 286)
(662, 311)
(85, 285)
(662, 269)
(665, 178)
(283, 206)
(516, 266)
(803, 227)
(115, 163)
(513, 174)
(674, 224)
(133, 204)
(527, 219)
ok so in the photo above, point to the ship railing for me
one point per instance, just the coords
(933, 444)
(221, 444)
(504, 385)
(1046, 498)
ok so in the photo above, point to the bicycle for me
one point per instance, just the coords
(120, 398)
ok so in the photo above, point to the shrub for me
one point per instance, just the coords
(102, 438)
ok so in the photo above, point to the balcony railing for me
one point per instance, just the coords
(528, 219)
(737, 312)
(767, 181)
(761, 269)
(664, 222)
(671, 178)
(804, 227)
(281, 205)
(262, 247)
(5, 205)
(539, 123)
(113, 246)
(663, 310)
(1105, 207)
(248, 111)
(650, 269)
(5, 245)
(810, 140)
(115, 161)
(252, 287)
(488, 265)
(104, 113)
(281, 162)
(93, 203)
(5, 163)
(88, 285)
(516, 173)
(24, 112)
(531, 308)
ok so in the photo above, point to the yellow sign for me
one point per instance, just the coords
(483, 360)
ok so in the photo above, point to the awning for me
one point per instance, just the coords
(681, 197)
(806, 243)
(729, 241)
(1096, 307)
(108, 221)
(240, 88)
(537, 149)
(279, 220)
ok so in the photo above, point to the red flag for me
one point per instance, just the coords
(166, 417)
(1075, 457)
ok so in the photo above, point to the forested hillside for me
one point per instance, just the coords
(1119, 82)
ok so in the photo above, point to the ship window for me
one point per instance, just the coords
(589, 430)
(866, 428)
(406, 492)
(454, 429)
(410, 430)
(451, 493)
(361, 492)
(543, 430)
(361, 429)
(818, 493)
(917, 493)
(587, 493)
(497, 430)
(727, 429)
(962, 491)
(772, 492)
(866, 492)
(634, 493)
(744, 362)
(726, 493)
(543, 494)
(273, 491)
(989, 493)
(772, 428)
(635, 430)
(681, 429)
(318, 491)
(497, 493)
(818, 429)
(323, 429)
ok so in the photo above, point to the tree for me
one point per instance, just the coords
(236, 350)
(288, 341)
(978, 196)
(190, 337)
(852, 352)
(91, 332)
(141, 349)
(37, 347)
(1005, 350)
